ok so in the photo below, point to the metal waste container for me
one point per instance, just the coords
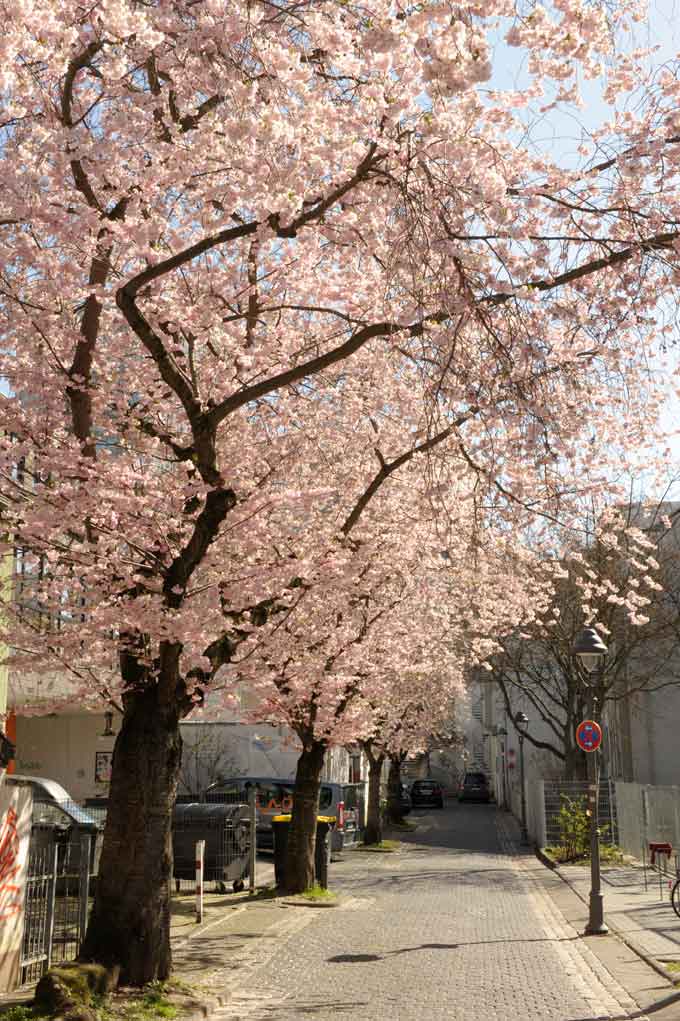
(322, 852)
(226, 831)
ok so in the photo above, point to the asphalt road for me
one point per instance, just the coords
(453, 926)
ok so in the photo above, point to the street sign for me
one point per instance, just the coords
(589, 736)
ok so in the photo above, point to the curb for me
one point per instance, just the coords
(642, 954)
(547, 861)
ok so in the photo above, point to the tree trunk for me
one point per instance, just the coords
(394, 790)
(130, 921)
(302, 831)
(373, 833)
(575, 766)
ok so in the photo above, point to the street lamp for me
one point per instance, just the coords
(521, 721)
(590, 651)
(502, 734)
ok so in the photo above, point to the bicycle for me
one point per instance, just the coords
(675, 896)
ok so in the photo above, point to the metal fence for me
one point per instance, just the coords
(56, 899)
(65, 846)
(647, 814)
(559, 792)
(546, 798)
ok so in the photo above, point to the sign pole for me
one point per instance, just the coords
(200, 861)
(596, 924)
(589, 739)
(252, 846)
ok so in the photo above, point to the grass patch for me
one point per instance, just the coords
(143, 1005)
(610, 854)
(154, 1003)
(384, 845)
(673, 969)
(317, 893)
(20, 1012)
(265, 893)
(147, 1004)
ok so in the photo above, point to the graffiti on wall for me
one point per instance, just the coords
(16, 811)
(11, 891)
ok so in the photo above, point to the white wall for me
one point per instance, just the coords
(64, 748)
(654, 726)
(213, 750)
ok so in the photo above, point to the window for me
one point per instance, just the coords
(325, 798)
(349, 795)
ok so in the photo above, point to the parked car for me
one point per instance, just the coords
(427, 793)
(57, 817)
(274, 796)
(474, 787)
(53, 807)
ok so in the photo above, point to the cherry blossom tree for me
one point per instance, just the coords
(624, 580)
(266, 267)
(357, 628)
(403, 726)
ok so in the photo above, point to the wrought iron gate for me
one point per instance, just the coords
(56, 900)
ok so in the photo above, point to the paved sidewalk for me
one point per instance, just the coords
(455, 926)
(466, 915)
(644, 918)
(198, 949)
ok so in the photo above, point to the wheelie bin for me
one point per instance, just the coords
(322, 854)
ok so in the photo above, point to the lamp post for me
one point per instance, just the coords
(590, 651)
(502, 734)
(521, 721)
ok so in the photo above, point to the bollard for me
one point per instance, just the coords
(200, 858)
(252, 849)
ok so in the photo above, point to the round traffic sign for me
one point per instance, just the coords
(589, 735)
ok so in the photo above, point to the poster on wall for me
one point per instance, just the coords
(102, 767)
(16, 809)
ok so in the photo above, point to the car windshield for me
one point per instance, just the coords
(474, 779)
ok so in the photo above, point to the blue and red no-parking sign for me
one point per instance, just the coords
(589, 735)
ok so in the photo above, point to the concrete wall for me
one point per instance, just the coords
(215, 750)
(70, 749)
(646, 813)
(219, 749)
(654, 723)
(67, 748)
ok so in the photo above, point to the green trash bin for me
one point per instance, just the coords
(322, 855)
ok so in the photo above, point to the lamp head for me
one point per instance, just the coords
(589, 649)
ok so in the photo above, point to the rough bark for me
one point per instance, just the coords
(374, 833)
(302, 833)
(394, 790)
(575, 766)
(130, 921)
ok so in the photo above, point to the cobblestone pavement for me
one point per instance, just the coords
(451, 927)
